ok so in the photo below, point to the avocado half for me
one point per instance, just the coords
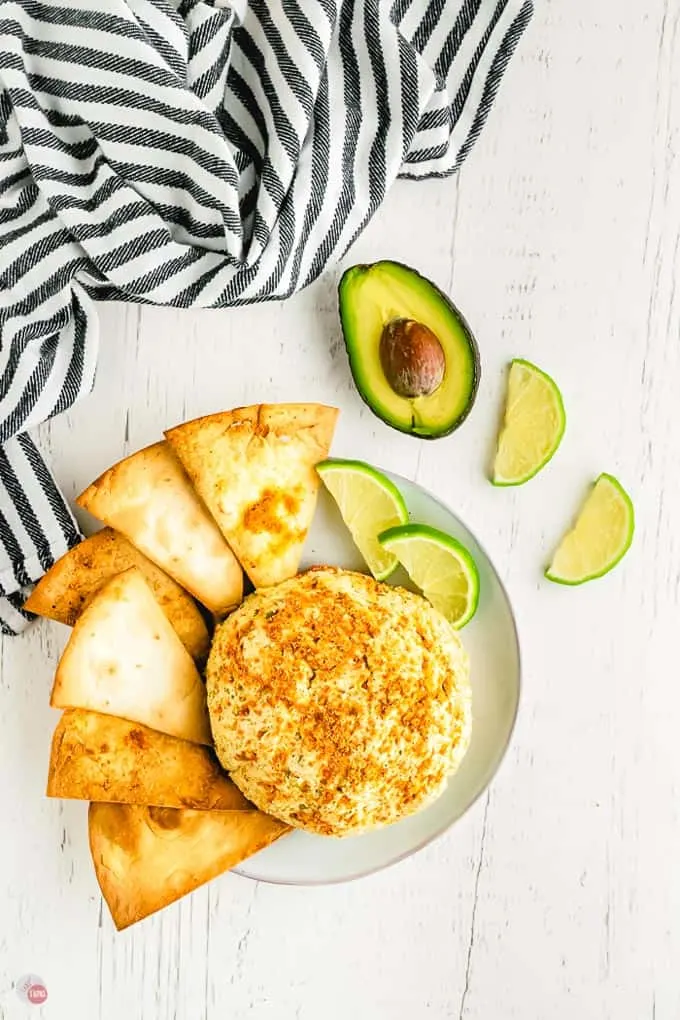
(413, 357)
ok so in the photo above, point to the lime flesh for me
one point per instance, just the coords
(369, 503)
(600, 538)
(533, 425)
(440, 566)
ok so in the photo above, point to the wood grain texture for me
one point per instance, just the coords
(559, 894)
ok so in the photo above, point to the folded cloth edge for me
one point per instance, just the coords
(36, 527)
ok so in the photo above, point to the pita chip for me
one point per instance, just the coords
(146, 858)
(70, 583)
(104, 758)
(254, 468)
(150, 500)
(123, 658)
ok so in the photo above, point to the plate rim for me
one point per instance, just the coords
(484, 789)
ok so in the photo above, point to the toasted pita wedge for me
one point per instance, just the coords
(149, 498)
(146, 858)
(104, 758)
(254, 469)
(69, 584)
(123, 658)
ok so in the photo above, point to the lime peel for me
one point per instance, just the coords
(369, 502)
(533, 425)
(600, 538)
(440, 566)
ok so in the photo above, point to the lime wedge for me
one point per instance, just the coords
(533, 425)
(600, 538)
(369, 503)
(442, 568)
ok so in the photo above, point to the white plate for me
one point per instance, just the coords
(491, 639)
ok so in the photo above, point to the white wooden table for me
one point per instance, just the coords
(559, 894)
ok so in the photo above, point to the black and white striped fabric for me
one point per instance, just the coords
(189, 153)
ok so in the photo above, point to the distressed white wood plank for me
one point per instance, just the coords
(558, 894)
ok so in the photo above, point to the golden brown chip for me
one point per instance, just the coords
(69, 584)
(254, 468)
(123, 658)
(149, 498)
(146, 858)
(104, 758)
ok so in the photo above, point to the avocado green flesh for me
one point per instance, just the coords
(373, 295)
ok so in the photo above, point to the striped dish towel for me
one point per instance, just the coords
(198, 154)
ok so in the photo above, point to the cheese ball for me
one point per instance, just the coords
(337, 703)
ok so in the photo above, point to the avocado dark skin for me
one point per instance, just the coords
(414, 359)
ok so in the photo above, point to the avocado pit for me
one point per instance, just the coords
(412, 358)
